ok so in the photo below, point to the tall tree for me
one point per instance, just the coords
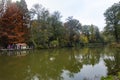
(113, 20)
(39, 29)
(25, 17)
(12, 26)
(48, 26)
(73, 26)
(56, 24)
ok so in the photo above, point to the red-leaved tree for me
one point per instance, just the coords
(12, 28)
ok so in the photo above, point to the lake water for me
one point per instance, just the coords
(59, 64)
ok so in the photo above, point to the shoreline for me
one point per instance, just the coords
(15, 49)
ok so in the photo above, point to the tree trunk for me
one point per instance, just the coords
(116, 34)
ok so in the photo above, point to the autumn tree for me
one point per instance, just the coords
(24, 12)
(12, 28)
(25, 17)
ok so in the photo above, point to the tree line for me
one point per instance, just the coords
(43, 29)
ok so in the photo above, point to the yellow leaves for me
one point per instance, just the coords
(35, 24)
(84, 39)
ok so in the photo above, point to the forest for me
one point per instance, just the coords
(42, 29)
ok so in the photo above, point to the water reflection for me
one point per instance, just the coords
(113, 62)
(59, 64)
(15, 53)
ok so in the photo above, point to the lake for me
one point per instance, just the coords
(59, 64)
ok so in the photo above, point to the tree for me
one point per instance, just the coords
(40, 31)
(36, 10)
(113, 20)
(90, 33)
(49, 29)
(12, 28)
(56, 25)
(95, 34)
(25, 16)
(86, 33)
(73, 27)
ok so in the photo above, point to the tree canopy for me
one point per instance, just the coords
(12, 26)
(112, 17)
(43, 29)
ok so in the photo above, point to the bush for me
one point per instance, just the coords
(54, 44)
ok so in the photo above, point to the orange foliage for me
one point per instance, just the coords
(12, 25)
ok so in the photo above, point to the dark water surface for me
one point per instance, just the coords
(59, 64)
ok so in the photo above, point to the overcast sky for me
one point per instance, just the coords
(86, 11)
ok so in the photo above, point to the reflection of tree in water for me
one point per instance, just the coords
(54, 62)
(44, 65)
(91, 56)
(51, 64)
(17, 53)
(74, 65)
(113, 64)
(80, 57)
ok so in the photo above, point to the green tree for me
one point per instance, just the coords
(55, 24)
(91, 33)
(40, 31)
(56, 27)
(86, 33)
(113, 21)
(48, 30)
(73, 27)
